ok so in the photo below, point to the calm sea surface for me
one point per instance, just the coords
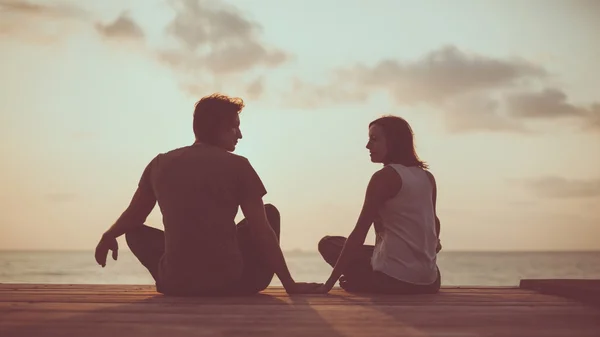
(458, 268)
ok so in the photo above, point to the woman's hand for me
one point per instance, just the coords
(324, 289)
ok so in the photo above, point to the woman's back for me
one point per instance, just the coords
(406, 240)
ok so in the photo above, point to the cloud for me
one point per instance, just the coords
(60, 197)
(593, 120)
(31, 20)
(560, 187)
(584, 6)
(216, 38)
(124, 27)
(215, 45)
(210, 44)
(479, 113)
(197, 23)
(438, 76)
(473, 92)
(548, 103)
(460, 84)
(255, 88)
(552, 104)
(57, 10)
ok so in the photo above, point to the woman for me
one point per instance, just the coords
(400, 202)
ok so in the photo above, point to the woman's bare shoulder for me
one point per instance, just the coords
(388, 179)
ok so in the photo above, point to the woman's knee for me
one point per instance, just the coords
(331, 245)
(323, 245)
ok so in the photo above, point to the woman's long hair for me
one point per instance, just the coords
(400, 141)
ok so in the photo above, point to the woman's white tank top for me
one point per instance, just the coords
(406, 240)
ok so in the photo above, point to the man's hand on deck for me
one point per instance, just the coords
(106, 243)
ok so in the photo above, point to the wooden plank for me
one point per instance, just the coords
(298, 321)
(304, 320)
(333, 298)
(136, 287)
(448, 297)
(131, 310)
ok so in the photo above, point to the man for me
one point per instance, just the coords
(199, 189)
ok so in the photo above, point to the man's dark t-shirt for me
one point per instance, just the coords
(199, 189)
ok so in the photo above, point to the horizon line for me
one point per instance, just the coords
(304, 251)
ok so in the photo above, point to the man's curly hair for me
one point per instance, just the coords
(213, 113)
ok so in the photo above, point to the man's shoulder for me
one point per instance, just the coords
(174, 151)
(206, 153)
(227, 156)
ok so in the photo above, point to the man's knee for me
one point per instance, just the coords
(130, 238)
(272, 211)
(133, 236)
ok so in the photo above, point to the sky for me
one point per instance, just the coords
(503, 97)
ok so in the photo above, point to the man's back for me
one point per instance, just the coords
(198, 189)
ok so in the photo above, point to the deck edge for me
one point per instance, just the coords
(583, 290)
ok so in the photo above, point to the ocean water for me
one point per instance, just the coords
(457, 268)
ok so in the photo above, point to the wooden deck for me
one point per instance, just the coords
(587, 291)
(114, 310)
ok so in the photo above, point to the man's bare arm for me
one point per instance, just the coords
(254, 212)
(135, 215)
